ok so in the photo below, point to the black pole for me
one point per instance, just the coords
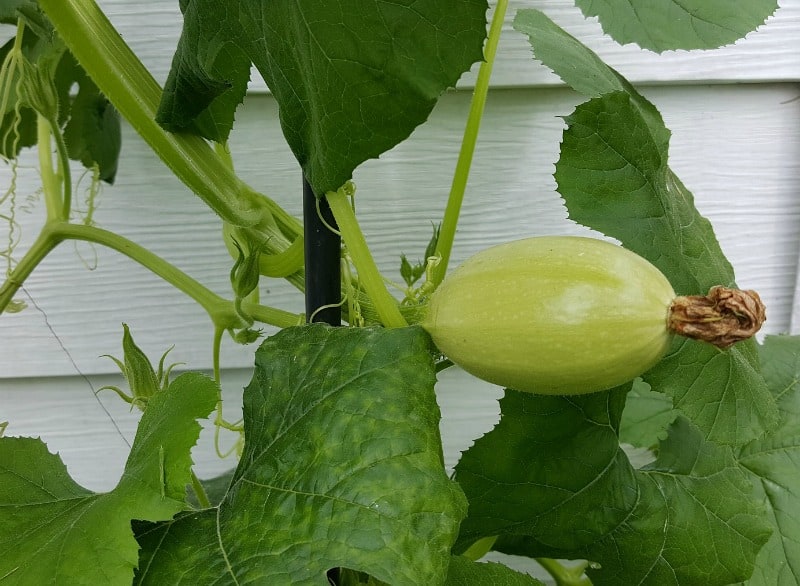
(322, 254)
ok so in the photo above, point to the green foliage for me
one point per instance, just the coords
(662, 25)
(647, 207)
(55, 531)
(692, 496)
(342, 461)
(413, 273)
(563, 478)
(352, 78)
(772, 463)
(342, 466)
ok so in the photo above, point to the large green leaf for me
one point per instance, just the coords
(695, 521)
(341, 467)
(56, 532)
(578, 66)
(352, 78)
(614, 176)
(551, 469)
(661, 25)
(774, 463)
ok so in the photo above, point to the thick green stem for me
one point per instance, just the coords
(447, 234)
(64, 172)
(368, 274)
(129, 86)
(120, 75)
(221, 311)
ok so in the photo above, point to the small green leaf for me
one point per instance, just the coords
(245, 272)
(341, 468)
(56, 532)
(662, 25)
(646, 417)
(551, 469)
(139, 371)
(93, 133)
(352, 78)
(412, 273)
(407, 271)
(430, 250)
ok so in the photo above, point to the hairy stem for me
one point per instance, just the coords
(126, 82)
(220, 310)
(210, 301)
(51, 181)
(368, 274)
(447, 234)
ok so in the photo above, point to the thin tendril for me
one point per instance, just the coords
(324, 221)
(328, 306)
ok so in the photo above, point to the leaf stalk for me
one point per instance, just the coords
(368, 274)
(447, 234)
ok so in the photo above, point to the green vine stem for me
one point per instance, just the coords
(220, 310)
(125, 81)
(368, 274)
(447, 234)
(565, 576)
(51, 182)
(64, 172)
(130, 87)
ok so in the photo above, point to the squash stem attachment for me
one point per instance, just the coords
(722, 318)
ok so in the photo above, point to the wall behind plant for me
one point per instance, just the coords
(735, 118)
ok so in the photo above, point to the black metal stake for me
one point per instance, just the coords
(322, 254)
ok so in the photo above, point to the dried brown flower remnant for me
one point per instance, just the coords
(723, 317)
